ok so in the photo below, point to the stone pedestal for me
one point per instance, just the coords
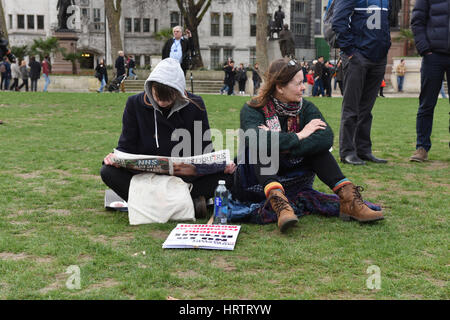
(273, 50)
(67, 40)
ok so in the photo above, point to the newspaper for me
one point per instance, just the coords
(202, 236)
(205, 164)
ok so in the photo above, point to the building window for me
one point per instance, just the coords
(20, 21)
(215, 58)
(252, 56)
(147, 60)
(10, 21)
(137, 25)
(174, 19)
(85, 13)
(228, 25)
(97, 17)
(156, 28)
(30, 22)
(145, 25)
(227, 53)
(300, 8)
(40, 22)
(215, 24)
(253, 25)
(300, 29)
(137, 60)
(128, 25)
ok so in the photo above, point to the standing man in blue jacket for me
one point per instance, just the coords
(363, 35)
(431, 27)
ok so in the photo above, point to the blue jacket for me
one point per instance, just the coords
(363, 26)
(431, 26)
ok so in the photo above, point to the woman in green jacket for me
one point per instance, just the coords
(305, 140)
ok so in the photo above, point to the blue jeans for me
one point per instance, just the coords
(400, 80)
(225, 88)
(318, 85)
(47, 82)
(102, 84)
(131, 73)
(431, 75)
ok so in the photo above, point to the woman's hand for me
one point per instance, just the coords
(310, 128)
(109, 160)
(184, 169)
(230, 168)
(264, 127)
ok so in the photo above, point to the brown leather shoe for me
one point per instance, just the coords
(353, 207)
(280, 204)
(420, 155)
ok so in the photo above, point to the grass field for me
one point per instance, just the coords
(52, 216)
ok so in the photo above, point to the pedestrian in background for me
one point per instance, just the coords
(102, 75)
(318, 88)
(257, 79)
(24, 72)
(35, 73)
(131, 65)
(241, 77)
(15, 73)
(5, 69)
(179, 48)
(400, 71)
(46, 70)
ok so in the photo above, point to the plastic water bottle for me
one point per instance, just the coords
(221, 203)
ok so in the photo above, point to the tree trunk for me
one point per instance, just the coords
(261, 35)
(3, 28)
(193, 14)
(113, 10)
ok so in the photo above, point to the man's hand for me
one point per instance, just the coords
(230, 168)
(108, 160)
(184, 169)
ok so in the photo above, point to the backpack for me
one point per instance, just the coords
(328, 33)
(2, 68)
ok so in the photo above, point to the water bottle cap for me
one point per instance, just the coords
(221, 181)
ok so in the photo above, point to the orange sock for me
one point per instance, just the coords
(272, 186)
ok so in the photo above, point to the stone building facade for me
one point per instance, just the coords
(227, 29)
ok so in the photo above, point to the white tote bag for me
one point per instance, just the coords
(154, 198)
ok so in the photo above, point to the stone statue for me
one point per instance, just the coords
(287, 43)
(279, 19)
(62, 7)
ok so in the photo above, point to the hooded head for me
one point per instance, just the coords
(168, 72)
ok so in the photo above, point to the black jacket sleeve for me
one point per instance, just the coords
(419, 26)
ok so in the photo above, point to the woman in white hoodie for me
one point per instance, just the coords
(149, 121)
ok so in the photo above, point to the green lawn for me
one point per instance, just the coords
(52, 215)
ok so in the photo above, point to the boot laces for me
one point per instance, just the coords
(279, 204)
(357, 193)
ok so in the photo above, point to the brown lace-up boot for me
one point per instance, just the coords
(352, 205)
(280, 204)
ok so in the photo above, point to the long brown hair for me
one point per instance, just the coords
(280, 73)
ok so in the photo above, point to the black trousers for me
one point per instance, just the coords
(362, 80)
(118, 179)
(323, 164)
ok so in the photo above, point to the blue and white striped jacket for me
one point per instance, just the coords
(363, 26)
